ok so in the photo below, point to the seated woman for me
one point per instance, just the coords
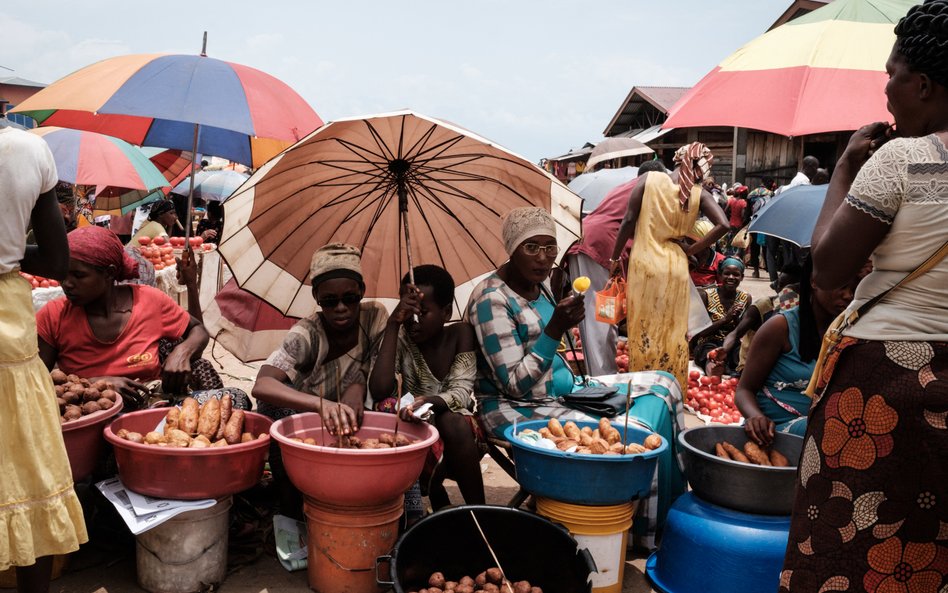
(781, 361)
(102, 330)
(725, 304)
(162, 219)
(519, 328)
(324, 362)
(437, 365)
(704, 269)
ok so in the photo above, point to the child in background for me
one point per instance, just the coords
(437, 364)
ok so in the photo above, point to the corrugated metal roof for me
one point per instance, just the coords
(645, 106)
(17, 81)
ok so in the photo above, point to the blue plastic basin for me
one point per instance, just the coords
(712, 549)
(582, 478)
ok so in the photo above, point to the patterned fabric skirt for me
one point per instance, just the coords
(871, 507)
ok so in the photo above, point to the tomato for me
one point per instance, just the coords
(27, 276)
(144, 241)
(44, 284)
(53, 283)
(705, 380)
(718, 397)
(34, 283)
(694, 375)
(197, 241)
(159, 240)
(704, 411)
(715, 380)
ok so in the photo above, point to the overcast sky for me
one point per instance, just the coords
(538, 77)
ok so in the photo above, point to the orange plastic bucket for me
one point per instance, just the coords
(345, 541)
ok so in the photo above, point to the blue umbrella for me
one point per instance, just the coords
(593, 187)
(792, 215)
(212, 185)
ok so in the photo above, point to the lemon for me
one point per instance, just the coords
(581, 284)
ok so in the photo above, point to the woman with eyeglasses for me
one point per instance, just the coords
(324, 362)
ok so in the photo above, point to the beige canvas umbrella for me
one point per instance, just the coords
(615, 148)
(405, 188)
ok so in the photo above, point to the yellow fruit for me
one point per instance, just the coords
(581, 284)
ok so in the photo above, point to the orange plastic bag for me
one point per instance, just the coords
(610, 302)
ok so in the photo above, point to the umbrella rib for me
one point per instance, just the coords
(424, 217)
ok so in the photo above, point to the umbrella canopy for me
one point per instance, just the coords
(616, 148)
(792, 215)
(173, 164)
(245, 115)
(245, 325)
(87, 158)
(361, 181)
(593, 187)
(822, 72)
(212, 185)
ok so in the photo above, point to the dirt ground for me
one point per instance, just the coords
(107, 564)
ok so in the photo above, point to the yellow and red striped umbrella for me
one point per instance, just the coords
(822, 72)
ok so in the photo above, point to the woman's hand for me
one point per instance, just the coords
(760, 429)
(408, 305)
(209, 235)
(176, 372)
(568, 313)
(133, 393)
(615, 268)
(865, 141)
(734, 313)
(339, 418)
(407, 413)
(187, 269)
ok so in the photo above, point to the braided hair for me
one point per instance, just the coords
(922, 39)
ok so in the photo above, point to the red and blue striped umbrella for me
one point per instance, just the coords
(88, 158)
(243, 114)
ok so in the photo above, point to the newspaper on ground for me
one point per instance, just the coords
(290, 536)
(155, 511)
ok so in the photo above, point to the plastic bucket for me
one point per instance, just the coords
(187, 553)
(603, 530)
(345, 541)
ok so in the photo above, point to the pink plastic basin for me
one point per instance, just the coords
(83, 439)
(187, 474)
(352, 477)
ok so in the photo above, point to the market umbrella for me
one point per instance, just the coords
(186, 102)
(616, 148)
(593, 187)
(822, 72)
(246, 326)
(405, 188)
(88, 158)
(792, 215)
(173, 164)
(212, 185)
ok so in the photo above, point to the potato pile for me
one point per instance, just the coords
(79, 397)
(196, 426)
(751, 454)
(490, 581)
(386, 440)
(605, 440)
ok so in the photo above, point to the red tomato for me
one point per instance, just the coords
(694, 375)
(27, 276)
(53, 283)
(715, 380)
(34, 283)
(718, 397)
(159, 240)
(705, 380)
(692, 383)
(704, 411)
(44, 284)
(144, 240)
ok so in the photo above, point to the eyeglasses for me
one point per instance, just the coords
(333, 301)
(535, 249)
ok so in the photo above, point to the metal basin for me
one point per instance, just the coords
(734, 485)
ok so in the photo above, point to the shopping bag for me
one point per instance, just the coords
(610, 302)
(741, 239)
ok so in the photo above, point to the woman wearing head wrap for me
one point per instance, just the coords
(103, 330)
(877, 440)
(162, 219)
(324, 362)
(519, 327)
(661, 212)
(726, 304)
(40, 515)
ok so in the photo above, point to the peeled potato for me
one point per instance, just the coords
(653, 441)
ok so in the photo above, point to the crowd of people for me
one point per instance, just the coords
(867, 394)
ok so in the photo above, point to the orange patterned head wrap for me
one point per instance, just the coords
(694, 162)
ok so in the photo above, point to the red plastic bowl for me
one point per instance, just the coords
(352, 477)
(187, 474)
(83, 439)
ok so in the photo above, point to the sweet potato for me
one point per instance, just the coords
(617, 447)
(586, 439)
(387, 438)
(135, 437)
(777, 459)
(556, 429)
(586, 430)
(227, 407)
(566, 444)
(172, 419)
(178, 438)
(653, 441)
(190, 414)
(635, 449)
(153, 438)
(234, 427)
(436, 580)
(721, 452)
(90, 407)
(522, 587)
(734, 452)
(545, 433)
(756, 454)
(57, 376)
(401, 440)
(246, 437)
(209, 419)
(571, 430)
(481, 579)
(494, 575)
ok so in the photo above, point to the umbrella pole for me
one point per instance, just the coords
(187, 225)
(403, 214)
